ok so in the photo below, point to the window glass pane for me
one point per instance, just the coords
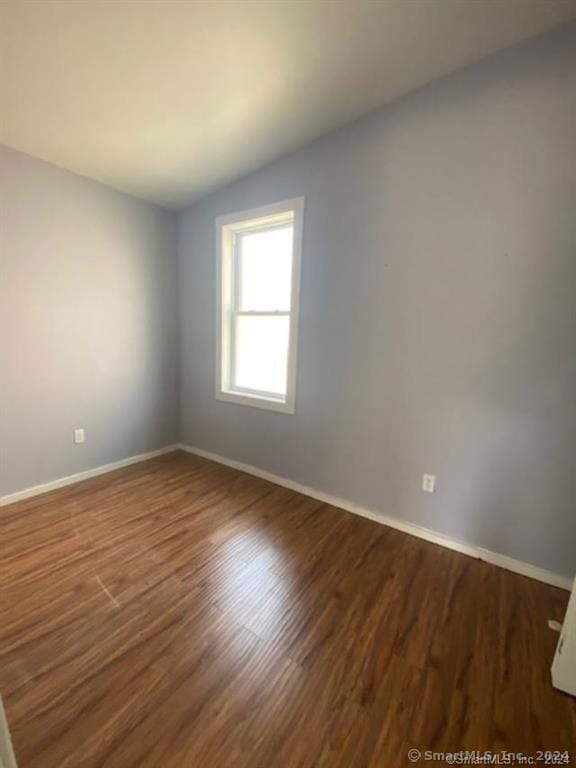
(261, 353)
(265, 267)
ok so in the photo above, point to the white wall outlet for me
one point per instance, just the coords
(79, 436)
(428, 483)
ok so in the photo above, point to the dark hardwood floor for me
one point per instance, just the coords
(178, 613)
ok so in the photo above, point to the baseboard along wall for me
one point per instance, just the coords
(62, 482)
(495, 558)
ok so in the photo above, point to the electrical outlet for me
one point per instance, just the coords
(428, 483)
(79, 436)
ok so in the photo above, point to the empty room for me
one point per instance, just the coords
(287, 383)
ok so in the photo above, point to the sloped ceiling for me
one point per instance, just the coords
(169, 100)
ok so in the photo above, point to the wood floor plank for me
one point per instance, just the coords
(179, 613)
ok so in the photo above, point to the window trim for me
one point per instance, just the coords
(226, 226)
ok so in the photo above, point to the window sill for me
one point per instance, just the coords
(256, 401)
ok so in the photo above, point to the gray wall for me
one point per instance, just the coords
(438, 310)
(87, 324)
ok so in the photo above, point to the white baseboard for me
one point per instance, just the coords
(503, 561)
(79, 476)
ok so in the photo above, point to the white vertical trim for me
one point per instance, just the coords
(298, 208)
(564, 664)
(7, 756)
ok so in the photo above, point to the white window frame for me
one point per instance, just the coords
(226, 228)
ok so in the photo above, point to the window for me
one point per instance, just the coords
(258, 287)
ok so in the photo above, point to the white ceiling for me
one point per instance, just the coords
(169, 99)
